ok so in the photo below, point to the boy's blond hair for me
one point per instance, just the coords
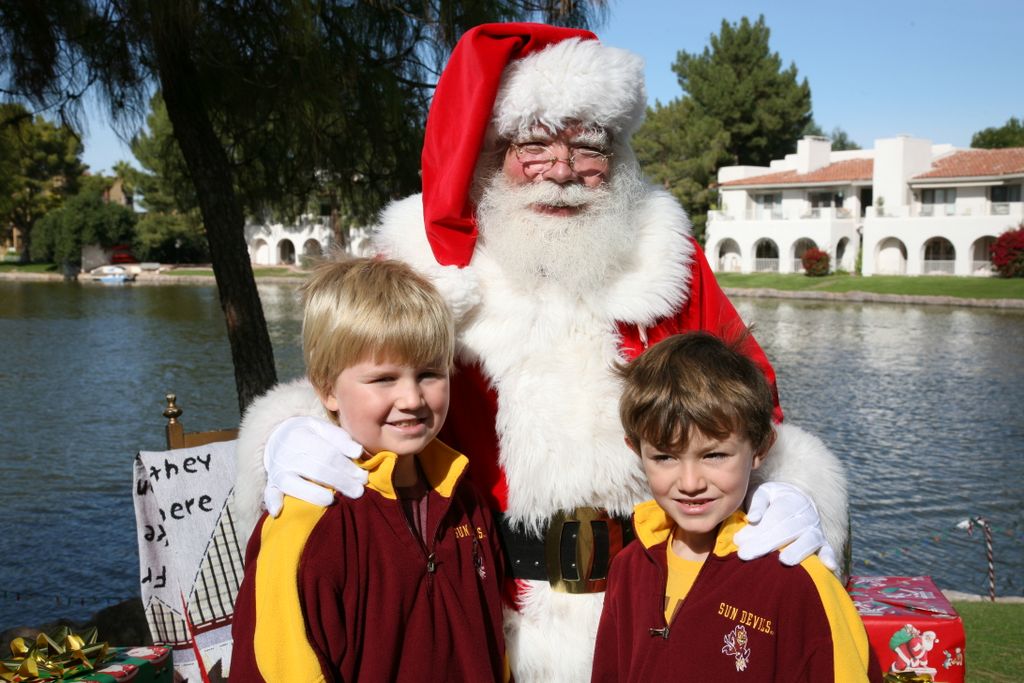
(371, 309)
(695, 381)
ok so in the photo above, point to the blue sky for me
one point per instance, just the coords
(941, 69)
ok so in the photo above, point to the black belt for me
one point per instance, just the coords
(572, 553)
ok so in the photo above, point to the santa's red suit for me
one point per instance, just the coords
(534, 402)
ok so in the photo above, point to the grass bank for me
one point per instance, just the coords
(932, 285)
(937, 285)
(28, 268)
(993, 633)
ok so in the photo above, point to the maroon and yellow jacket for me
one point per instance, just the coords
(349, 592)
(747, 621)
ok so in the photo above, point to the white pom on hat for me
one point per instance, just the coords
(573, 80)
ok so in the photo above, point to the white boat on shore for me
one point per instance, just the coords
(111, 275)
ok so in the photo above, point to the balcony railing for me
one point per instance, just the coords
(774, 214)
(766, 265)
(1005, 208)
(827, 212)
(801, 214)
(937, 210)
(798, 265)
(980, 267)
(939, 267)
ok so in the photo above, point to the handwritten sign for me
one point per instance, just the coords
(189, 554)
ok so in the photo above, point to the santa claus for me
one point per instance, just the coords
(558, 261)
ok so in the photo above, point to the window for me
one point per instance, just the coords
(824, 200)
(769, 205)
(938, 199)
(867, 198)
(1001, 196)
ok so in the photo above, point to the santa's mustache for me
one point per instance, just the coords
(553, 194)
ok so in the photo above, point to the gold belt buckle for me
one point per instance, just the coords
(583, 557)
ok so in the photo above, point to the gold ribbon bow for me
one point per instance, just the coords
(907, 677)
(57, 655)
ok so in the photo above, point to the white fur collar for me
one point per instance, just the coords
(653, 285)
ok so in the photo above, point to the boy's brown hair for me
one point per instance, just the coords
(379, 309)
(695, 381)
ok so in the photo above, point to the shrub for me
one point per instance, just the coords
(815, 262)
(1008, 253)
(170, 238)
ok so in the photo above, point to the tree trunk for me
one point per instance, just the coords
(207, 162)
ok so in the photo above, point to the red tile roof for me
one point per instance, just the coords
(841, 171)
(974, 163)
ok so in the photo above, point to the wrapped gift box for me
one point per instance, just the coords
(148, 664)
(913, 629)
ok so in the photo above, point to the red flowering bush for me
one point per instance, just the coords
(1008, 253)
(815, 262)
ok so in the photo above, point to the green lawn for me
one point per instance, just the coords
(933, 285)
(936, 285)
(28, 268)
(993, 641)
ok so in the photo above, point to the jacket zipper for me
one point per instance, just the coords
(665, 630)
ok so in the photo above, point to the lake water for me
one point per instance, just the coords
(924, 405)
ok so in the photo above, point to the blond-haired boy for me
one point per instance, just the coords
(402, 583)
(680, 604)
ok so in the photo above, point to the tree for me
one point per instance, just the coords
(82, 220)
(682, 150)
(839, 137)
(739, 107)
(41, 165)
(268, 102)
(171, 229)
(739, 82)
(841, 140)
(1008, 253)
(1011, 134)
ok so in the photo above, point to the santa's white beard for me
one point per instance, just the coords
(579, 252)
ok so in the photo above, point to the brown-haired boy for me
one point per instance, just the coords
(680, 604)
(404, 582)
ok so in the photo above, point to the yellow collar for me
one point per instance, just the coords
(653, 526)
(442, 466)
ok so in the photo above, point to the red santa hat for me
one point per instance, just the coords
(501, 81)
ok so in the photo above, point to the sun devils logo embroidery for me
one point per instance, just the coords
(478, 560)
(736, 646)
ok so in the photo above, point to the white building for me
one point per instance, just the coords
(915, 208)
(277, 244)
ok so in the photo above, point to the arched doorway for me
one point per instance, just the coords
(800, 247)
(841, 255)
(286, 252)
(939, 257)
(981, 255)
(311, 249)
(766, 256)
(729, 257)
(261, 252)
(891, 258)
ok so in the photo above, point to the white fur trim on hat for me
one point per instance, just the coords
(574, 80)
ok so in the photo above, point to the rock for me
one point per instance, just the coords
(122, 624)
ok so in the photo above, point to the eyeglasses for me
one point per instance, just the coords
(537, 159)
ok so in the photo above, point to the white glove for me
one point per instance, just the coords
(783, 515)
(305, 454)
